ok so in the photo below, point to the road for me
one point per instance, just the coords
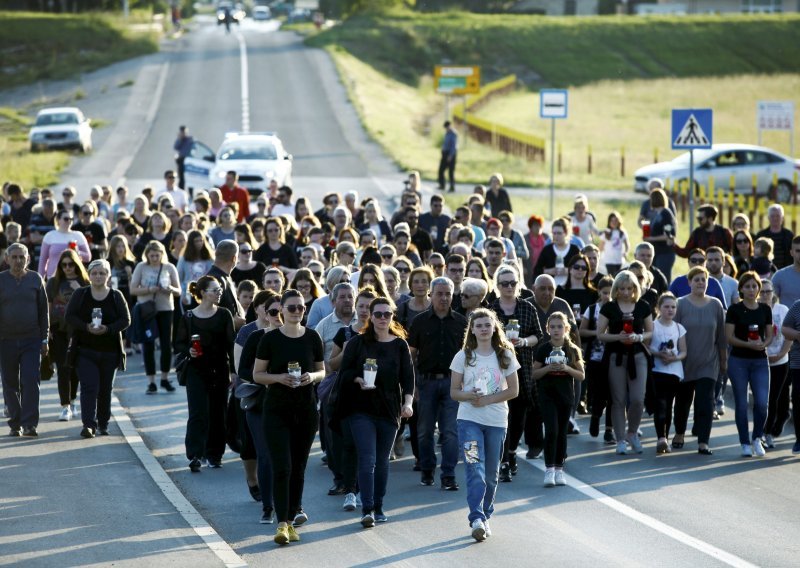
(677, 510)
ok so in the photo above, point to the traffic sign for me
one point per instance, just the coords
(553, 103)
(692, 128)
(775, 115)
(457, 80)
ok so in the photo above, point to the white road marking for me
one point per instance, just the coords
(245, 83)
(194, 519)
(655, 524)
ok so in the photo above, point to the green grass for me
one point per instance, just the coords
(17, 163)
(37, 46)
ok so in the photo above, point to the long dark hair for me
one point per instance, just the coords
(80, 271)
(501, 345)
(191, 253)
(380, 281)
(368, 331)
(587, 283)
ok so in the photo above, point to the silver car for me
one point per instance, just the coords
(726, 161)
(61, 127)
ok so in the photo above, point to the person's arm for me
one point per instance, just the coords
(262, 377)
(335, 359)
(123, 320)
(457, 391)
(734, 341)
(407, 382)
(71, 316)
(769, 334)
(683, 252)
(43, 258)
(584, 329)
(44, 314)
(83, 246)
(787, 345)
(504, 395)
(602, 328)
(790, 334)
(174, 287)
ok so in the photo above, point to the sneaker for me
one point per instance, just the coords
(349, 502)
(662, 447)
(715, 415)
(15, 433)
(282, 535)
(559, 477)
(720, 408)
(758, 448)
(796, 448)
(166, 384)
(622, 448)
(449, 484)
(769, 441)
(608, 438)
(103, 431)
(747, 451)
(195, 465)
(534, 452)
(30, 432)
(153, 389)
(505, 473)
(368, 521)
(255, 492)
(380, 516)
(267, 517)
(65, 415)
(549, 478)
(427, 478)
(594, 426)
(478, 530)
(300, 518)
(488, 530)
(573, 427)
(87, 433)
(74, 408)
(337, 489)
(215, 463)
(636, 444)
(513, 467)
(293, 536)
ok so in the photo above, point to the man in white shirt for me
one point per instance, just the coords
(284, 206)
(179, 197)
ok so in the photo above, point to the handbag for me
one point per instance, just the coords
(147, 310)
(46, 370)
(249, 395)
(182, 359)
(326, 385)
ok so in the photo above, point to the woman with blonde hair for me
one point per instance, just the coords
(159, 228)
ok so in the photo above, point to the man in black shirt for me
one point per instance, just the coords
(92, 229)
(436, 222)
(435, 337)
(419, 236)
(644, 253)
(225, 257)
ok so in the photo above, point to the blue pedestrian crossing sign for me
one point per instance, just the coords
(692, 128)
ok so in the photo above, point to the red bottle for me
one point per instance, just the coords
(645, 229)
(196, 345)
(627, 324)
(73, 245)
(752, 333)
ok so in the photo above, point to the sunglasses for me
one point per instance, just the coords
(66, 218)
(403, 270)
(697, 260)
(245, 251)
(383, 315)
(580, 267)
(274, 312)
(86, 212)
(317, 275)
(67, 265)
(295, 308)
(507, 284)
(387, 255)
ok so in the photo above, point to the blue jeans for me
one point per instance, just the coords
(753, 372)
(264, 467)
(20, 361)
(435, 403)
(96, 370)
(483, 448)
(374, 438)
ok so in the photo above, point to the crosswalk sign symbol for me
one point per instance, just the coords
(691, 128)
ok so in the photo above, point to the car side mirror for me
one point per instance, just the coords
(288, 157)
(210, 158)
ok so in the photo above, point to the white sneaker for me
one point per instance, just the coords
(758, 448)
(559, 477)
(478, 530)
(549, 478)
(747, 451)
(770, 441)
(486, 526)
(65, 415)
(622, 448)
(349, 502)
(636, 444)
(74, 408)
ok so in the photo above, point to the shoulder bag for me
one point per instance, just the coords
(148, 310)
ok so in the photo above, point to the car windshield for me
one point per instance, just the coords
(56, 118)
(248, 151)
(699, 156)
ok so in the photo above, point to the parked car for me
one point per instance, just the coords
(258, 158)
(262, 13)
(236, 11)
(61, 127)
(721, 162)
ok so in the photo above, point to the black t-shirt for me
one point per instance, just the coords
(278, 349)
(612, 312)
(284, 256)
(256, 274)
(544, 350)
(573, 296)
(94, 232)
(108, 342)
(743, 317)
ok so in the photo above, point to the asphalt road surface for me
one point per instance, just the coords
(67, 501)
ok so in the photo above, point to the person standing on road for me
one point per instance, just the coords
(24, 327)
(435, 336)
(183, 147)
(289, 361)
(375, 405)
(484, 378)
(448, 159)
(233, 192)
(100, 345)
(208, 373)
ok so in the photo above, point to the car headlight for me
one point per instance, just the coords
(269, 174)
(221, 174)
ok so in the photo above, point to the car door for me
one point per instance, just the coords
(198, 165)
(755, 163)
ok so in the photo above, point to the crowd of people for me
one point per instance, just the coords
(283, 321)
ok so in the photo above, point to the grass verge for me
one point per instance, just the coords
(17, 163)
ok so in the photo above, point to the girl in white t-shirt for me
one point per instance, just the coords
(483, 379)
(668, 346)
(614, 244)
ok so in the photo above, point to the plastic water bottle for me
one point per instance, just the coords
(370, 373)
(97, 318)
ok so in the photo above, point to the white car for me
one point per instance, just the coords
(721, 162)
(262, 13)
(258, 158)
(61, 127)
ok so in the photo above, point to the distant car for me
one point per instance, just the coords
(723, 161)
(61, 127)
(262, 13)
(299, 15)
(236, 11)
(258, 158)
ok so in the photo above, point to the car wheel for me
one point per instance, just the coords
(782, 193)
(34, 149)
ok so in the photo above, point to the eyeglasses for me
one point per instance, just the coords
(383, 315)
(245, 251)
(741, 241)
(170, 177)
(274, 312)
(261, 204)
(697, 260)
(437, 266)
(295, 308)
(581, 267)
(86, 212)
(766, 291)
(507, 284)
(67, 265)
(453, 270)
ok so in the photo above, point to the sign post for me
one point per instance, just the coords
(552, 105)
(465, 80)
(776, 115)
(691, 130)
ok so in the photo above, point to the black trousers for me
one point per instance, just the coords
(778, 408)
(208, 404)
(665, 388)
(289, 433)
(794, 375)
(342, 458)
(524, 417)
(449, 166)
(702, 392)
(179, 162)
(599, 395)
(556, 396)
(67, 378)
(164, 322)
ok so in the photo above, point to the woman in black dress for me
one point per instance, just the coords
(275, 252)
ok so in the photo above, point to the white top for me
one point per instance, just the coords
(662, 334)
(281, 209)
(179, 197)
(779, 312)
(488, 368)
(613, 247)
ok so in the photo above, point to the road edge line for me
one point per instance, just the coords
(193, 518)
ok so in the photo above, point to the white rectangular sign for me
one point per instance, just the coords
(775, 115)
(553, 103)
